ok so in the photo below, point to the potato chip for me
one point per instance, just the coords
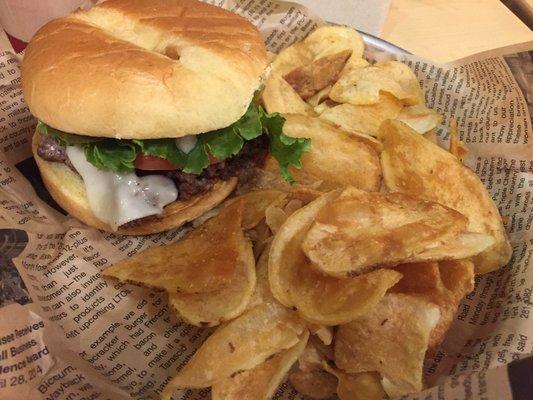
(260, 382)
(325, 105)
(261, 237)
(418, 167)
(255, 204)
(322, 42)
(457, 276)
(363, 85)
(319, 298)
(360, 231)
(325, 350)
(203, 261)
(262, 293)
(279, 96)
(275, 217)
(269, 178)
(432, 136)
(363, 386)
(303, 194)
(365, 119)
(324, 333)
(424, 280)
(420, 118)
(239, 345)
(292, 206)
(457, 147)
(319, 97)
(309, 79)
(277, 213)
(212, 308)
(310, 359)
(353, 63)
(391, 339)
(317, 384)
(465, 245)
(354, 163)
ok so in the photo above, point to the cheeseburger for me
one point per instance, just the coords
(146, 111)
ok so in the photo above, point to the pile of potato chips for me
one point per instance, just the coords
(347, 279)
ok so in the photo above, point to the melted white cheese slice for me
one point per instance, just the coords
(186, 143)
(117, 199)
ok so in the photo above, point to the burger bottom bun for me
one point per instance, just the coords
(68, 190)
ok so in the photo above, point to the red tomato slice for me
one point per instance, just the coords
(212, 159)
(153, 163)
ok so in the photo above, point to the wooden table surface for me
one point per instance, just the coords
(446, 30)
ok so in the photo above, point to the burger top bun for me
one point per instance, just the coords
(143, 69)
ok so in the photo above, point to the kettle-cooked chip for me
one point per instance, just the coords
(364, 119)
(325, 350)
(391, 339)
(311, 78)
(268, 178)
(317, 384)
(279, 96)
(275, 216)
(212, 308)
(457, 147)
(319, 97)
(261, 237)
(432, 136)
(255, 204)
(262, 293)
(427, 281)
(457, 276)
(419, 117)
(359, 231)
(322, 332)
(362, 386)
(241, 344)
(420, 168)
(277, 213)
(303, 194)
(363, 85)
(354, 162)
(467, 244)
(325, 105)
(203, 261)
(292, 206)
(319, 298)
(311, 359)
(323, 41)
(260, 382)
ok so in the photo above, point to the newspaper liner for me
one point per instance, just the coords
(89, 338)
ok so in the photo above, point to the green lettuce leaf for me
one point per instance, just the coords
(197, 160)
(67, 139)
(116, 155)
(249, 126)
(224, 143)
(285, 149)
(119, 155)
(164, 148)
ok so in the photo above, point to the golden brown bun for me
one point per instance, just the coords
(141, 69)
(68, 190)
